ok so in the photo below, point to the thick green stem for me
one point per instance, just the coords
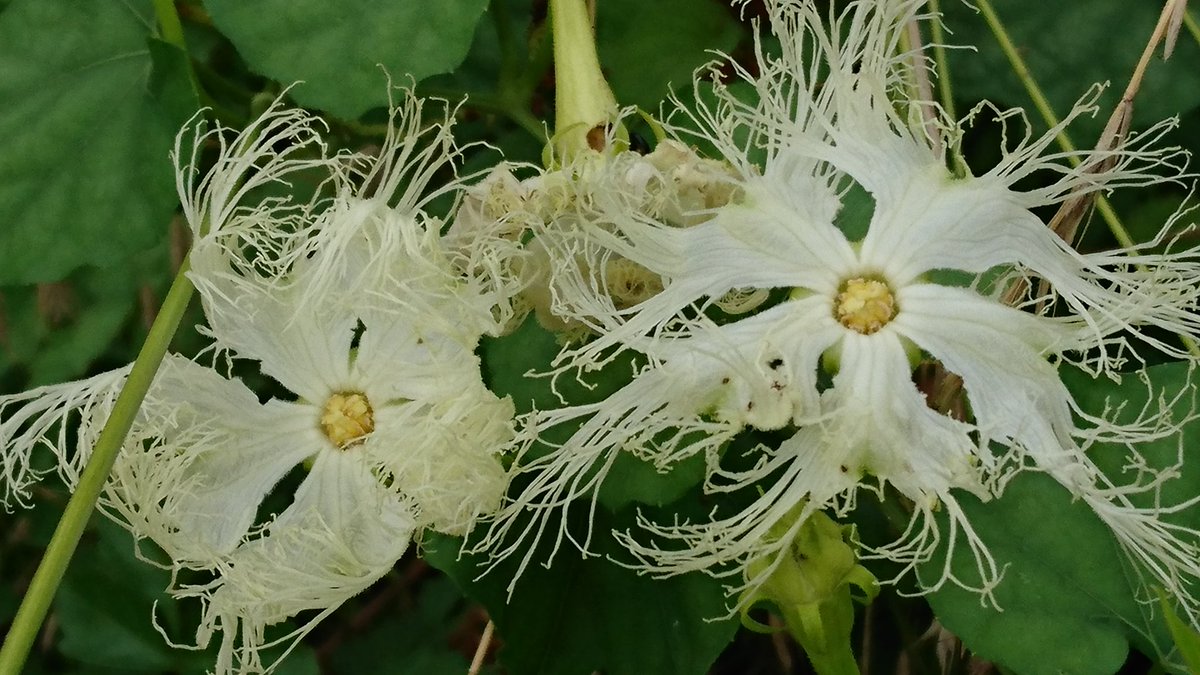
(808, 624)
(582, 100)
(36, 602)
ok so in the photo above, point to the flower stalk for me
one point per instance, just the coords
(811, 589)
(583, 102)
(46, 580)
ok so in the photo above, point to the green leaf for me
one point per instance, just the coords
(650, 48)
(502, 54)
(1169, 380)
(338, 48)
(1187, 640)
(106, 606)
(85, 177)
(509, 360)
(632, 480)
(170, 82)
(514, 365)
(1070, 599)
(95, 304)
(585, 615)
(1063, 597)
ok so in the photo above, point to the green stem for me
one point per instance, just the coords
(582, 99)
(1022, 71)
(1115, 226)
(171, 29)
(1193, 26)
(36, 602)
(169, 23)
(830, 656)
(938, 35)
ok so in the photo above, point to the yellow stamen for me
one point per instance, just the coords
(865, 305)
(347, 419)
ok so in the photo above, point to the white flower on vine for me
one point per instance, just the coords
(827, 131)
(368, 320)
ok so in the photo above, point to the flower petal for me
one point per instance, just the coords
(203, 455)
(1000, 353)
(342, 533)
(780, 236)
(445, 455)
(43, 418)
(880, 423)
(934, 221)
(761, 370)
(799, 472)
(257, 319)
(400, 358)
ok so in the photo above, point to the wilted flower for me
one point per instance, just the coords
(828, 131)
(672, 183)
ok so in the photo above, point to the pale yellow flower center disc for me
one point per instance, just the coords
(347, 419)
(865, 305)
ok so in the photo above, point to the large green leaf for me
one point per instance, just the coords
(1185, 636)
(1063, 598)
(1125, 401)
(84, 176)
(64, 331)
(338, 48)
(585, 615)
(1070, 599)
(650, 48)
(95, 305)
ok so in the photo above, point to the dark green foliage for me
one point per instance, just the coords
(84, 175)
(1070, 601)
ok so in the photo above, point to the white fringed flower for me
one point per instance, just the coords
(356, 306)
(823, 128)
(371, 322)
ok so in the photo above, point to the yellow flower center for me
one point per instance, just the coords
(865, 305)
(347, 419)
